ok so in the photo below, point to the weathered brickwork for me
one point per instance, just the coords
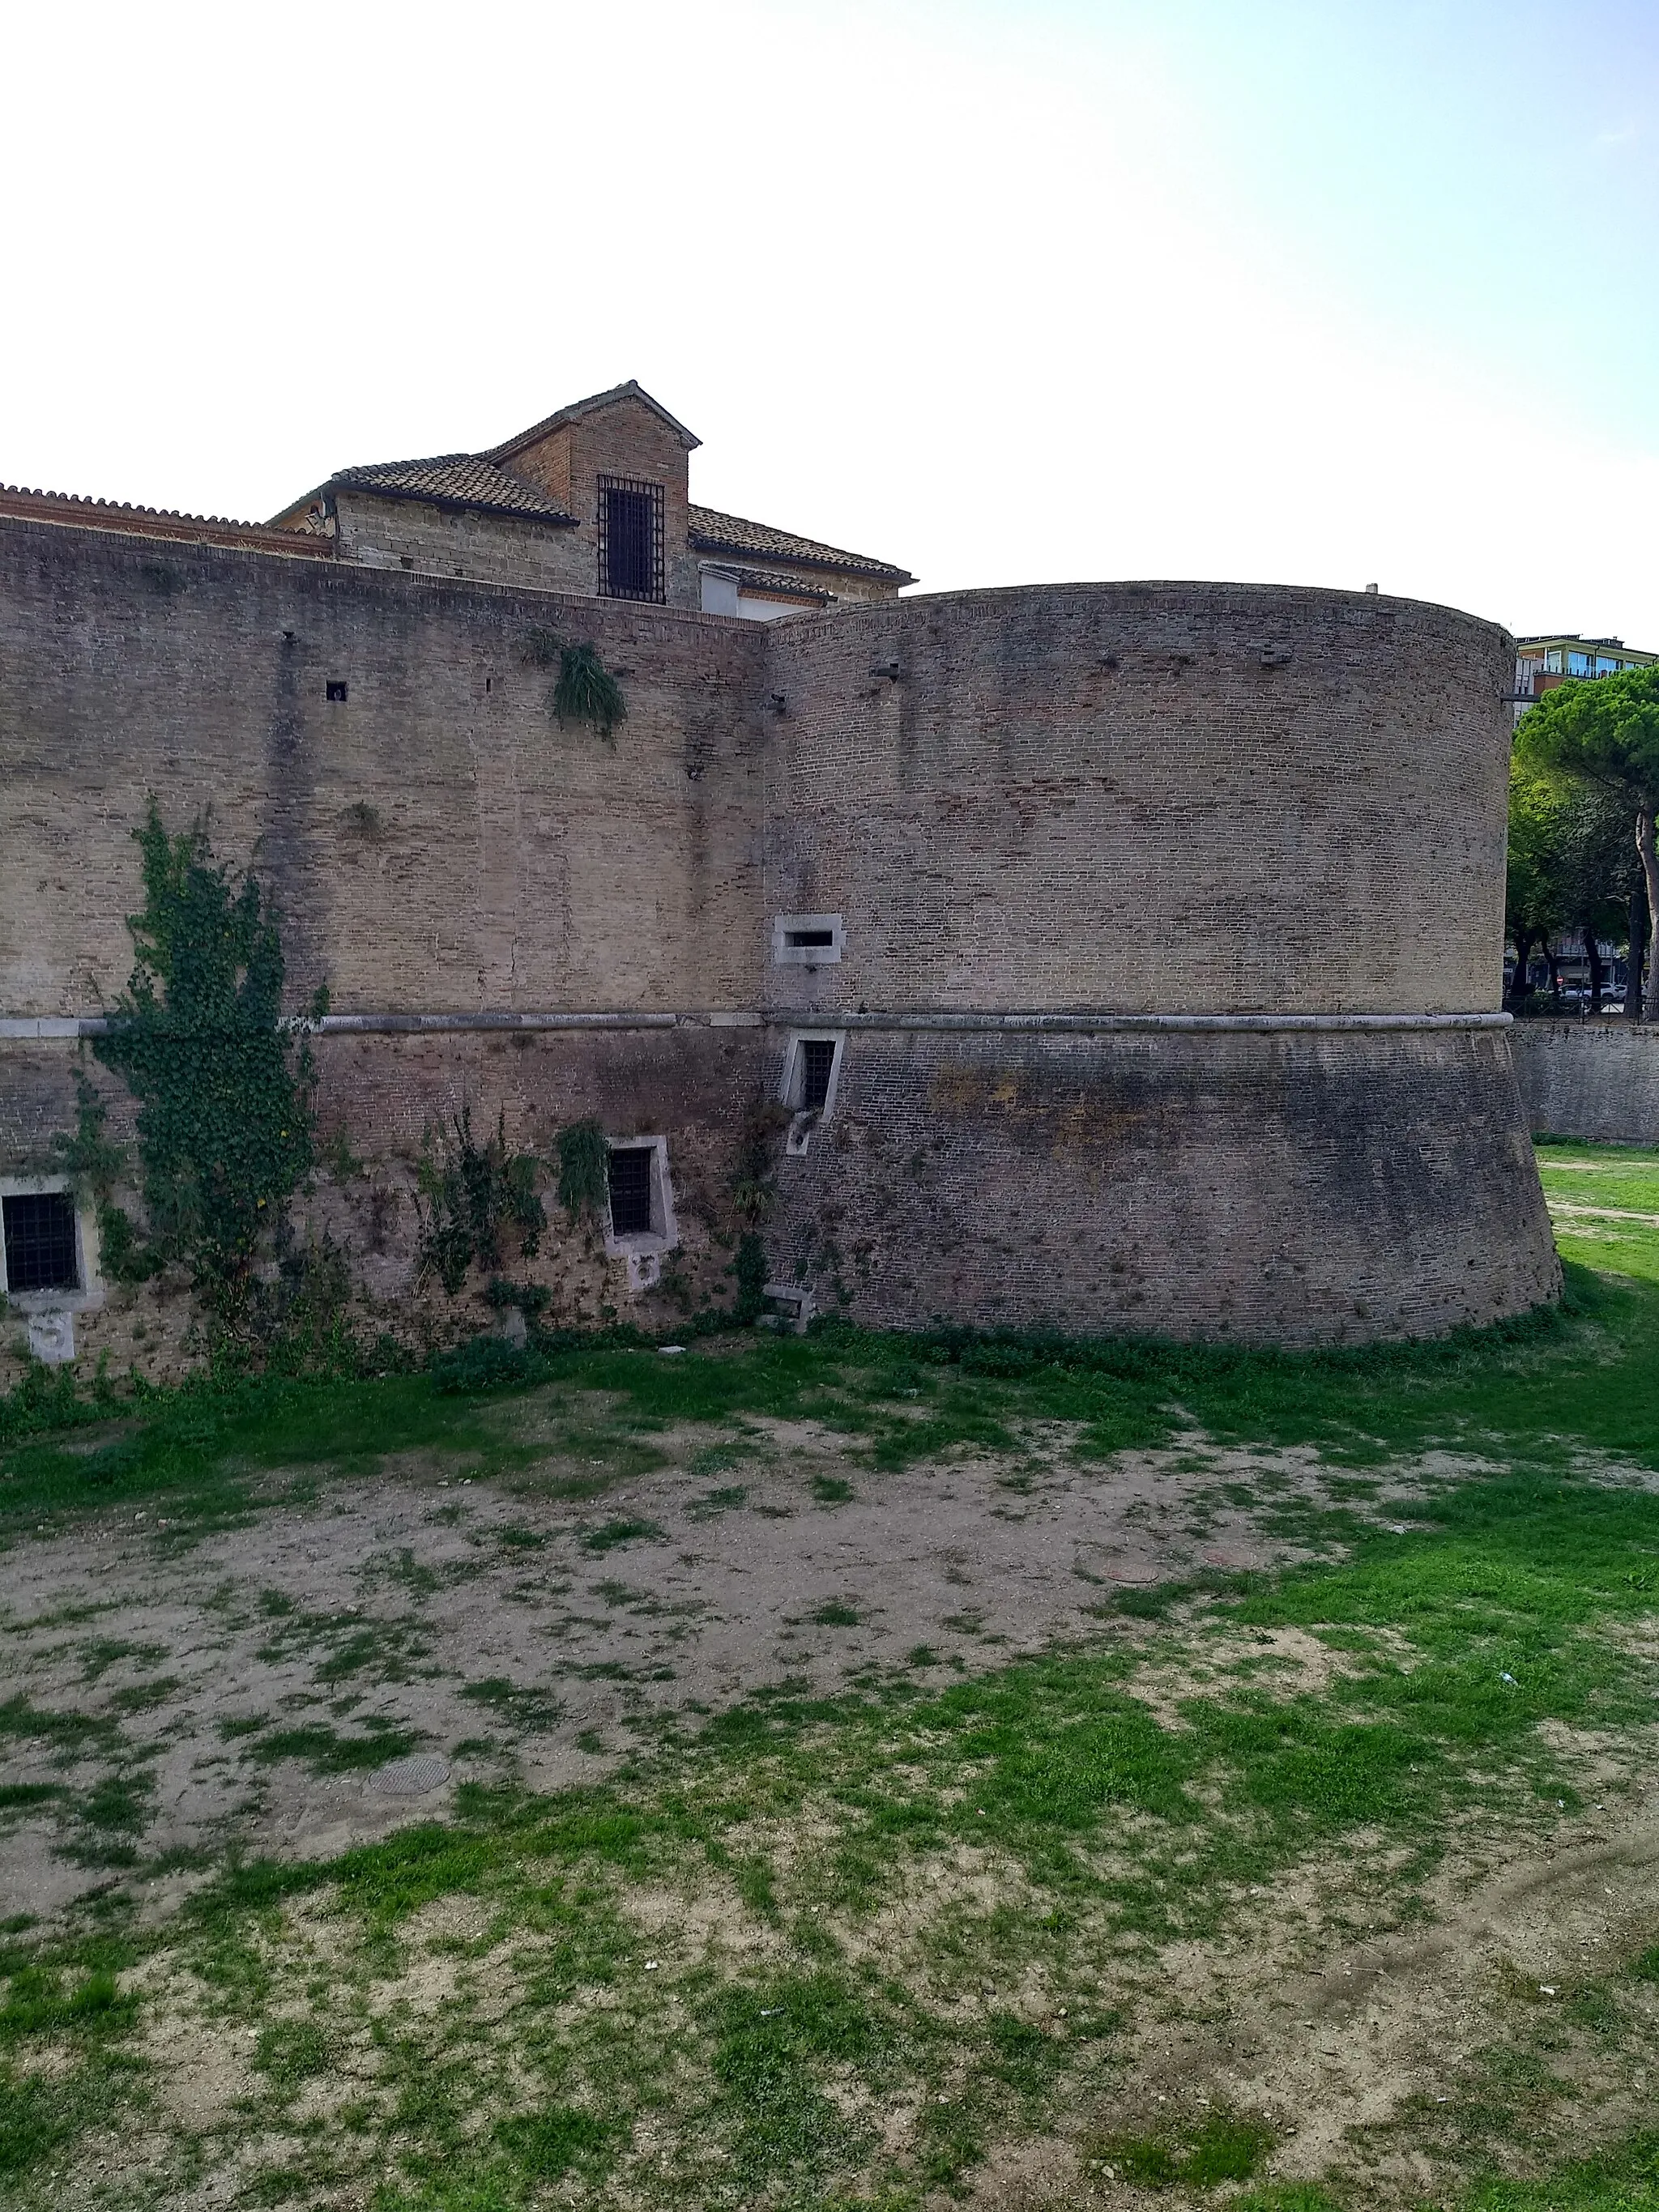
(438, 541)
(396, 1100)
(1585, 1079)
(1183, 797)
(1299, 1187)
(436, 842)
(629, 439)
(1167, 799)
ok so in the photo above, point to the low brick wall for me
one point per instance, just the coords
(1597, 1079)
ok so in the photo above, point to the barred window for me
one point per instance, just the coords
(630, 1191)
(818, 1063)
(40, 1232)
(630, 540)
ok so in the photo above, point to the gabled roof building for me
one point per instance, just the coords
(595, 498)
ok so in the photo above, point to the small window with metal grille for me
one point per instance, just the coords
(817, 1065)
(630, 540)
(811, 1073)
(40, 1242)
(630, 1191)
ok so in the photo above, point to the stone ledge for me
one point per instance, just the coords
(35, 1028)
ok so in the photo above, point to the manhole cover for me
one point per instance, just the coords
(411, 1778)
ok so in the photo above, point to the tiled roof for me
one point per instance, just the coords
(23, 504)
(729, 533)
(798, 587)
(578, 408)
(454, 480)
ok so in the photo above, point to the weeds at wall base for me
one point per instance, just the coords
(323, 1347)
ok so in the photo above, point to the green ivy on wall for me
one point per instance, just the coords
(95, 1165)
(224, 1091)
(754, 1195)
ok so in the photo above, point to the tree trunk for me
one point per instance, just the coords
(1644, 846)
(1637, 925)
(1593, 960)
(1517, 992)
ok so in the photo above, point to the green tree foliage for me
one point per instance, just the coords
(1601, 868)
(1572, 866)
(225, 1125)
(1602, 733)
(1533, 893)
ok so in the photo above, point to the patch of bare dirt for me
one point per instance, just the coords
(1362, 2046)
(529, 1636)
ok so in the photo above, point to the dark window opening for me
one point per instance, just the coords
(817, 1063)
(627, 542)
(630, 540)
(809, 937)
(39, 1231)
(334, 692)
(630, 1192)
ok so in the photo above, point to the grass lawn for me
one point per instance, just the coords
(1589, 1188)
(851, 1771)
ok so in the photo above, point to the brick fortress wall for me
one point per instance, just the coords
(1175, 797)
(1111, 800)
(1293, 1187)
(1155, 801)
(436, 842)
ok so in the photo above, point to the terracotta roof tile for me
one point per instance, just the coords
(20, 504)
(711, 532)
(454, 480)
(801, 588)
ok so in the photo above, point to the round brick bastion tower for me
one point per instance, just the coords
(1124, 956)
(1157, 931)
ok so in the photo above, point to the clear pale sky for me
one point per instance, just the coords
(1284, 289)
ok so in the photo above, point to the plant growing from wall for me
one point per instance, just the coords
(95, 1165)
(470, 1195)
(754, 1195)
(584, 1171)
(301, 1321)
(225, 1096)
(584, 689)
(754, 1172)
(530, 1299)
(748, 1268)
